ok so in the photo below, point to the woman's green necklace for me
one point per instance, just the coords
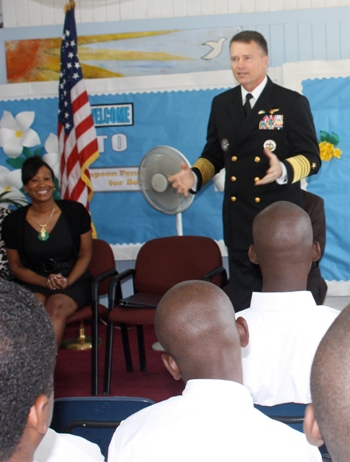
(43, 234)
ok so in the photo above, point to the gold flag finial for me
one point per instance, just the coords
(69, 6)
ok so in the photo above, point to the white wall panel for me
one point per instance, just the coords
(208, 7)
(58, 11)
(194, 8)
(34, 14)
(153, 8)
(84, 10)
(303, 4)
(113, 11)
(248, 6)
(21, 12)
(235, 6)
(318, 3)
(180, 8)
(290, 4)
(47, 12)
(262, 5)
(166, 9)
(140, 9)
(99, 11)
(126, 10)
(275, 5)
(221, 7)
(9, 13)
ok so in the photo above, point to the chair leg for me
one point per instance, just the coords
(94, 354)
(108, 359)
(126, 347)
(141, 347)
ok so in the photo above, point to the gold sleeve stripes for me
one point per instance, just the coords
(301, 167)
(206, 168)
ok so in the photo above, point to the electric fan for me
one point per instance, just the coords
(155, 168)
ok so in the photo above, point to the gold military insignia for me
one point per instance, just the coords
(261, 112)
(272, 111)
(313, 165)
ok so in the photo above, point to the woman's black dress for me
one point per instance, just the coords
(59, 246)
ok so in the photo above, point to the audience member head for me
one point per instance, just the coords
(283, 246)
(327, 419)
(195, 324)
(27, 361)
(247, 36)
(31, 166)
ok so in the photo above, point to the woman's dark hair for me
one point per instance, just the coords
(31, 167)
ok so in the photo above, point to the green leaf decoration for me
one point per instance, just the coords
(334, 139)
(27, 152)
(15, 162)
(324, 135)
(57, 194)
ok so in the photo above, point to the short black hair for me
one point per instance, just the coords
(248, 36)
(31, 167)
(27, 361)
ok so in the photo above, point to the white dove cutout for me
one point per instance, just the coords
(216, 48)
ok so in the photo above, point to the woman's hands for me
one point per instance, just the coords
(57, 281)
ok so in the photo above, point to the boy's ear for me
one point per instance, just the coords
(316, 251)
(171, 366)
(40, 414)
(311, 428)
(252, 255)
(243, 331)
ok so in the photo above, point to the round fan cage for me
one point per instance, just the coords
(155, 168)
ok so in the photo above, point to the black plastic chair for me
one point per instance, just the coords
(95, 418)
(291, 414)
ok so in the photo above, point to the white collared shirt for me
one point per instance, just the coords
(285, 329)
(211, 420)
(58, 447)
(255, 93)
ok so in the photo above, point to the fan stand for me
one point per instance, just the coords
(179, 224)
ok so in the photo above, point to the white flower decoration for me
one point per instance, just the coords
(52, 156)
(15, 133)
(11, 182)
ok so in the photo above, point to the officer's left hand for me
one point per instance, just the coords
(275, 170)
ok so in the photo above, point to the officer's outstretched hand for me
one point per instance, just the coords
(275, 170)
(183, 180)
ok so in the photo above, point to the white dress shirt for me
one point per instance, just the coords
(63, 447)
(213, 420)
(285, 329)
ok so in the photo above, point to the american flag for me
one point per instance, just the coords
(76, 131)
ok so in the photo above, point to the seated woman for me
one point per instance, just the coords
(49, 246)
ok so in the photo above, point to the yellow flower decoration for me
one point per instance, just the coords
(328, 148)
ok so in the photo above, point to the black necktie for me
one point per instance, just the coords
(247, 107)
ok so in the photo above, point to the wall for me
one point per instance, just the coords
(321, 31)
(23, 13)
